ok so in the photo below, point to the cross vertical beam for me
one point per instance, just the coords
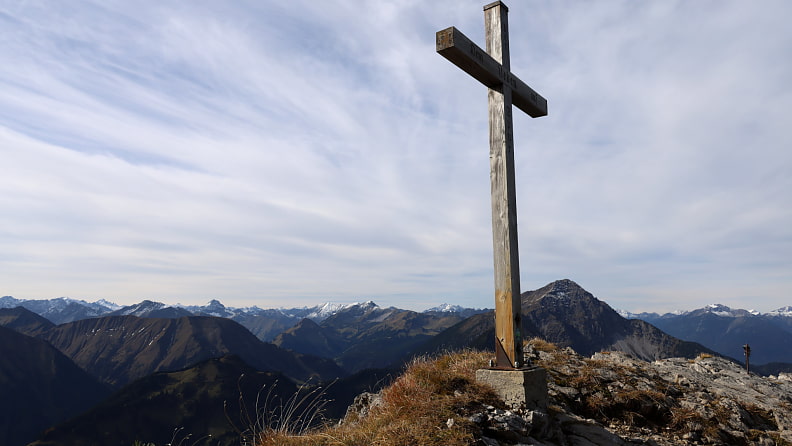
(508, 341)
(505, 89)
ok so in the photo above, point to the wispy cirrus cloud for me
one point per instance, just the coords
(284, 153)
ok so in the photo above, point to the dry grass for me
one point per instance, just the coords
(779, 440)
(415, 409)
(686, 419)
(588, 376)
(541, 345)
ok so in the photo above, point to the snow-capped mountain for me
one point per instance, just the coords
(716, 309)
(445, 308)
(726, 330)
(149, 308)
(213, 308)
(458, 310)
(781, 312)
(724, 311)
(60, 310)
(316, 313)
(327, 309)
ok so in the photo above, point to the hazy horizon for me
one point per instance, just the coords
(360, 301)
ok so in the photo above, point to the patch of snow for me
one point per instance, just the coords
(9, 302)
(445, 308)
(107, 304)
(781, 312)
(327, 309)
(626, 314)
(720, 310)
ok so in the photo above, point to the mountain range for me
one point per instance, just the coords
(726, 330)
(150, 347)
(564, 313)
(266, 324)
(366, 336)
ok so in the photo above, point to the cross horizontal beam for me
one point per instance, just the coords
(462, 52)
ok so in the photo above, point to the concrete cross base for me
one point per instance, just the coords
(520, 388)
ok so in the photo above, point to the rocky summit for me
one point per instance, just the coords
(613, 398)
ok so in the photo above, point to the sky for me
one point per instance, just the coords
(289, 153)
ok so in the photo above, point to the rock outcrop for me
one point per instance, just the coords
(614, 398)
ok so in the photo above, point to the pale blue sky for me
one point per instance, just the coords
(290, 153)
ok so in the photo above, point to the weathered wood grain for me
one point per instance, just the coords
(462, 52)
(492, 68)
(504, 199)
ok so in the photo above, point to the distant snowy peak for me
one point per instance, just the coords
(9, 302)
(327, 309)
(455, 310)
(629, 315)
(445, 308)
(782, 312)
(719, 310)
(107, 304)
(321, 312)
(141, 309)
(215, 308)
(214, 303)
(61, 309)
(716, 309)
(724, 311)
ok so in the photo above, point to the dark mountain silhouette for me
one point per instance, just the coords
(309, 337)
(198, 401)
(772, 368)
(24, 321)
(781, 317)
(365, 336)
(120, 349)
(39, 386)
(266, 324)
(564, 313)
(203, 400)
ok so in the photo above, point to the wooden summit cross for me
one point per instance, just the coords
(491, 68)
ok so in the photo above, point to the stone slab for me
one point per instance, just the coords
(520, 388)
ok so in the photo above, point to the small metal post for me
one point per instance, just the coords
(747, 349)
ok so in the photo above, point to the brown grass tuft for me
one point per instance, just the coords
(541, 345)
(415, 409)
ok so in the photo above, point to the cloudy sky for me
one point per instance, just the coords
(287, 153)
